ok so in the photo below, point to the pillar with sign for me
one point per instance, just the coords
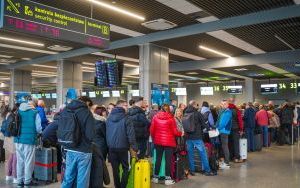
(249, 90)
(154, 68)
(69, 75)
(182, 98)
(20, 81)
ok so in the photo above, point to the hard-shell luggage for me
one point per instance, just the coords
(197, 159)
(2, 155)
(130, 183)
(177, 167)
(45, 168)
(258, 142)
(243, 148)
(142, 174)
(162, 171)
(281, 138)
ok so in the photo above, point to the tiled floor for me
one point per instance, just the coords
(276, 167)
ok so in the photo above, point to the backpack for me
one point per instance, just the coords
(4, 128)
(205, 117)
(188, 122)
(14, 124)
(68, 132)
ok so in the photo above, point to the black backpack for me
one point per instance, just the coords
(205, 117)
(14, 124)
(188, 122)
(68, 132)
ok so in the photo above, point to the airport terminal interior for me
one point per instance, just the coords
(170, 55)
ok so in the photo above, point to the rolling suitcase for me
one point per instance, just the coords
(197, 159)
(45, 168)
(258, 142)
(243, 148)
(177, 167)
(142, 174)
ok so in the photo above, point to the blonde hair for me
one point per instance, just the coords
(178, 110)
(41, 103)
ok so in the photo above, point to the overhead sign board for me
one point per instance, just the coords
(268, 88)
(235, 89)
(206, 91)
(37, 19)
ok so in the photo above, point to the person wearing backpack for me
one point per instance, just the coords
(29, 128)
(120, 138)
(249, 122)
(286, 119)
(207, 115)
(141, 125)
(193, 124)
(76, 128)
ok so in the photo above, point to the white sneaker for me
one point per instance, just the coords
(169, 182)
(224, 166)
(155, 180)
(8, 178)
(15, 181)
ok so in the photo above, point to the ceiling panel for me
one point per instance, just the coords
(252, 71)
(290, 67)
(207, 75)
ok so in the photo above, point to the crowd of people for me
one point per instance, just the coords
(116, 132)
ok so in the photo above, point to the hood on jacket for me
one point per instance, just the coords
(204, 109)
(190, 109)
(232, 106)
(25, 107)
(99, 118)
(135, 110)
(76, 104)
(163, 115)
(117, 114)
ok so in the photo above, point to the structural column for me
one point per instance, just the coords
(154, 68)
(20, 81)
(249, 90)
(69, 75)
(181, 98)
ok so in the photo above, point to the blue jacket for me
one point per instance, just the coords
(120, 133)
(249, 118)
(43, 117)
(224, 123)
(210, 116)
(30, 125)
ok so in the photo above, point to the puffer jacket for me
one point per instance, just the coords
(100, 136)
(287, 115)
(141, 124)
(164, 130)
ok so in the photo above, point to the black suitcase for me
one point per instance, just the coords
(197, 159)
(178, 165)
(2, 155)
(258, 142)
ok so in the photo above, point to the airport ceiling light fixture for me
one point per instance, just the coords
(21, 41)
(44, 66)
(213, 51)
(241, 69)
(131, 65)
(117, 9)
(6, 56)
(192, 73)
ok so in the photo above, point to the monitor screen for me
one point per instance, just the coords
(180, 91)
(105, 94)
(206, 91)
(135, 93)
(48, 95)
(268, 88)
(92, 94)
(34, 96)
(235, 89)
(83, 93)
(116, 93)
(54, 95)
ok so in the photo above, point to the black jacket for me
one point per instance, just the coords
(287, 115)
(49, 137)
(120, 133)
(100, 134)
(140, 122)
(200, 124)
(249, 118)
(87, 125)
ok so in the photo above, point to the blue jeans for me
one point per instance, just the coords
(202, 151)
(78, 168)
(265, 133)
(250, 138)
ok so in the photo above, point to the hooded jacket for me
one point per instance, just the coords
(120, 133)
(87, 125)
(140, 122)
(49, 134)
(100, 135)
(30, 125)
(164, 130)
(200, 124)
(249, 118)
(210, 119)
(237, 120)
(224, 123)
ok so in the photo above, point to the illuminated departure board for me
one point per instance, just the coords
(37, 19)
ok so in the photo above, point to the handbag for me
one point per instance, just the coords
(213, 133)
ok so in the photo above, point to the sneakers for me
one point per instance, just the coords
(224, 166)
(15, 181)
(155, 180)
(209, 174)
(192, 173)
(20, 185)
(31, 184)
(169, 182)
(8, 178)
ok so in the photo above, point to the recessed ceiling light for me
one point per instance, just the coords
(21, 41)
(26, 58)
(257, 74)
(6, 56)
(192, 73)
(241, 69)
(117, 9)
(44, 66)
(213, 51)
(130, 65)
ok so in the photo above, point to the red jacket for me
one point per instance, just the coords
(262, 118)
(239, 116)
(163, 129)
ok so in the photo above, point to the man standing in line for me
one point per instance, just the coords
(120, 137)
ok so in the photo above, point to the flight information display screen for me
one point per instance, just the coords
(37, 19)
(268, 88)
(235, 89)
(206, 90)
